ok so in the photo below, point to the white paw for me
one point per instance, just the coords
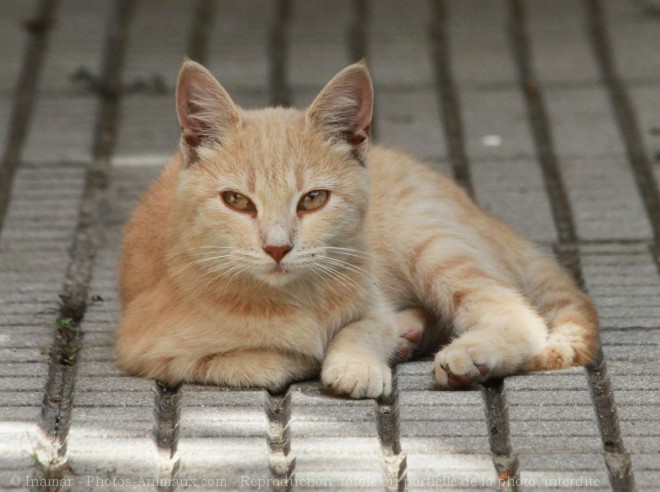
(462, 363)
(357, 376)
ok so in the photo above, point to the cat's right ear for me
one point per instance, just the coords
(206, 112)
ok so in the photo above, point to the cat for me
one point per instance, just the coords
(279, 243)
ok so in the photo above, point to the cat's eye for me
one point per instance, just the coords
(313, 200)
(238, 202)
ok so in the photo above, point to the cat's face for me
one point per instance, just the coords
(274, 194)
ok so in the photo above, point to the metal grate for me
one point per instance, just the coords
(75, 386)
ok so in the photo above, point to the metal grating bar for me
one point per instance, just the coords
(38, 27)
(282, 462)
(625, 118)
(495, 408)
(357, 33)
(167, 401)
(497, 419)
(277, 403)
(617, 459)
(448, 94)
(198, 42)
(538, 117)
(167, 410)
(358, 43)
(110, 87)
(387, 422)
(280, 92)
(59, 390)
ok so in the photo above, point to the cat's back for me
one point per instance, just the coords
(145, 236)
(411, 204)
(404, 189)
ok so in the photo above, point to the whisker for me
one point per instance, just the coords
(343, 279)
(237, 272)
(332, 275)
(319, 275)
(209, 246)
(185, 267)
(347, 253)
(357, 252)
(218, 273)
(219, 248)
(350, 266)
(220, 257)
(219, 268)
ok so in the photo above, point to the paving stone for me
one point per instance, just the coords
(157, 26)
(443, 433)
(75, 43)
(105, 458)
(607, 279)
(633, 30)
(580, 115)
(32, 262)
(150, 129)
(239, 61)
(318, 46)
(479, 45)
(643, 99)
(398, 49)
(553, 25)
(409, 121)
(601, 214)
(13, 38)
(505, 187)
(230, 459)
(62, 129)
(496, 126)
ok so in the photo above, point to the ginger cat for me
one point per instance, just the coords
(279, 243)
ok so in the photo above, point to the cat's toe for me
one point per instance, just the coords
(459, 366)
(408, 342)
(446, 379)
(413, 336)
(411, 329)
(361, 378)
(483, 369)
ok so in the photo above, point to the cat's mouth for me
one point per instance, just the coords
(278, 270)
(277, 275)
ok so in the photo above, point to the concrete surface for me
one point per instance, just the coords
(443, 434)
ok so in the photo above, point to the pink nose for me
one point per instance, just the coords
(277, 252)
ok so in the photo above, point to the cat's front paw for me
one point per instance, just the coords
(357, 376)
(463, 364)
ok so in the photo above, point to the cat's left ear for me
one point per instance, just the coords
(206, 113)
(344, 108)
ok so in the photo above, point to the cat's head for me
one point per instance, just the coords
(274, 194)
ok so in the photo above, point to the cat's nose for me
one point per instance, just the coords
(277, 252)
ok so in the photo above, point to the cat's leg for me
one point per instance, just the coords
(568, 311)
(239, 369)
(158, 340)
(410, 323)
(175, 364)
(244, 369)
(357, 359)
(495, 330)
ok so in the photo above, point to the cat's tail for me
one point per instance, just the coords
(573, 338)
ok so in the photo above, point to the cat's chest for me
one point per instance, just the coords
(306, 330)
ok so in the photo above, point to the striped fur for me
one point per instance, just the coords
(399, 261)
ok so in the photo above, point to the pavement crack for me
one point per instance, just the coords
(57, 403)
